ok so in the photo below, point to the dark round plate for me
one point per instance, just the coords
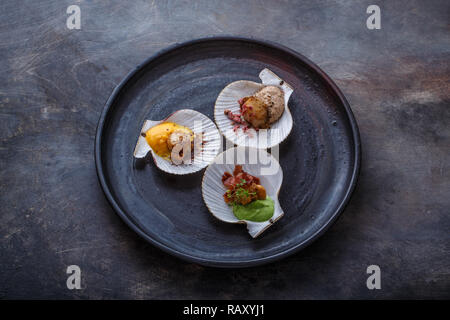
(320, 158)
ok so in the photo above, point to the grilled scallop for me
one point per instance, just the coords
(162, 140)
(265, 107)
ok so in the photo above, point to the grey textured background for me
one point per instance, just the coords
(55, 81)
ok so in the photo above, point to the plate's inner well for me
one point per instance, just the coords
(317, 158)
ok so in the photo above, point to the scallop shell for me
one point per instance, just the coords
(263, 138)
(257, 162)
(198, 123)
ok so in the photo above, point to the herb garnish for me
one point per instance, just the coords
(239, 192)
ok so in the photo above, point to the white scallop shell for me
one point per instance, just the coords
(263, 138)
(257, 162)
(198, 123)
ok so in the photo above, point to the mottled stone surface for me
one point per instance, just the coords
(55, 81)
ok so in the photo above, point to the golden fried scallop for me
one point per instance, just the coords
(255, 112)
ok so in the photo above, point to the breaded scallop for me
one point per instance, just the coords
(263, 108)
(273, 98)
